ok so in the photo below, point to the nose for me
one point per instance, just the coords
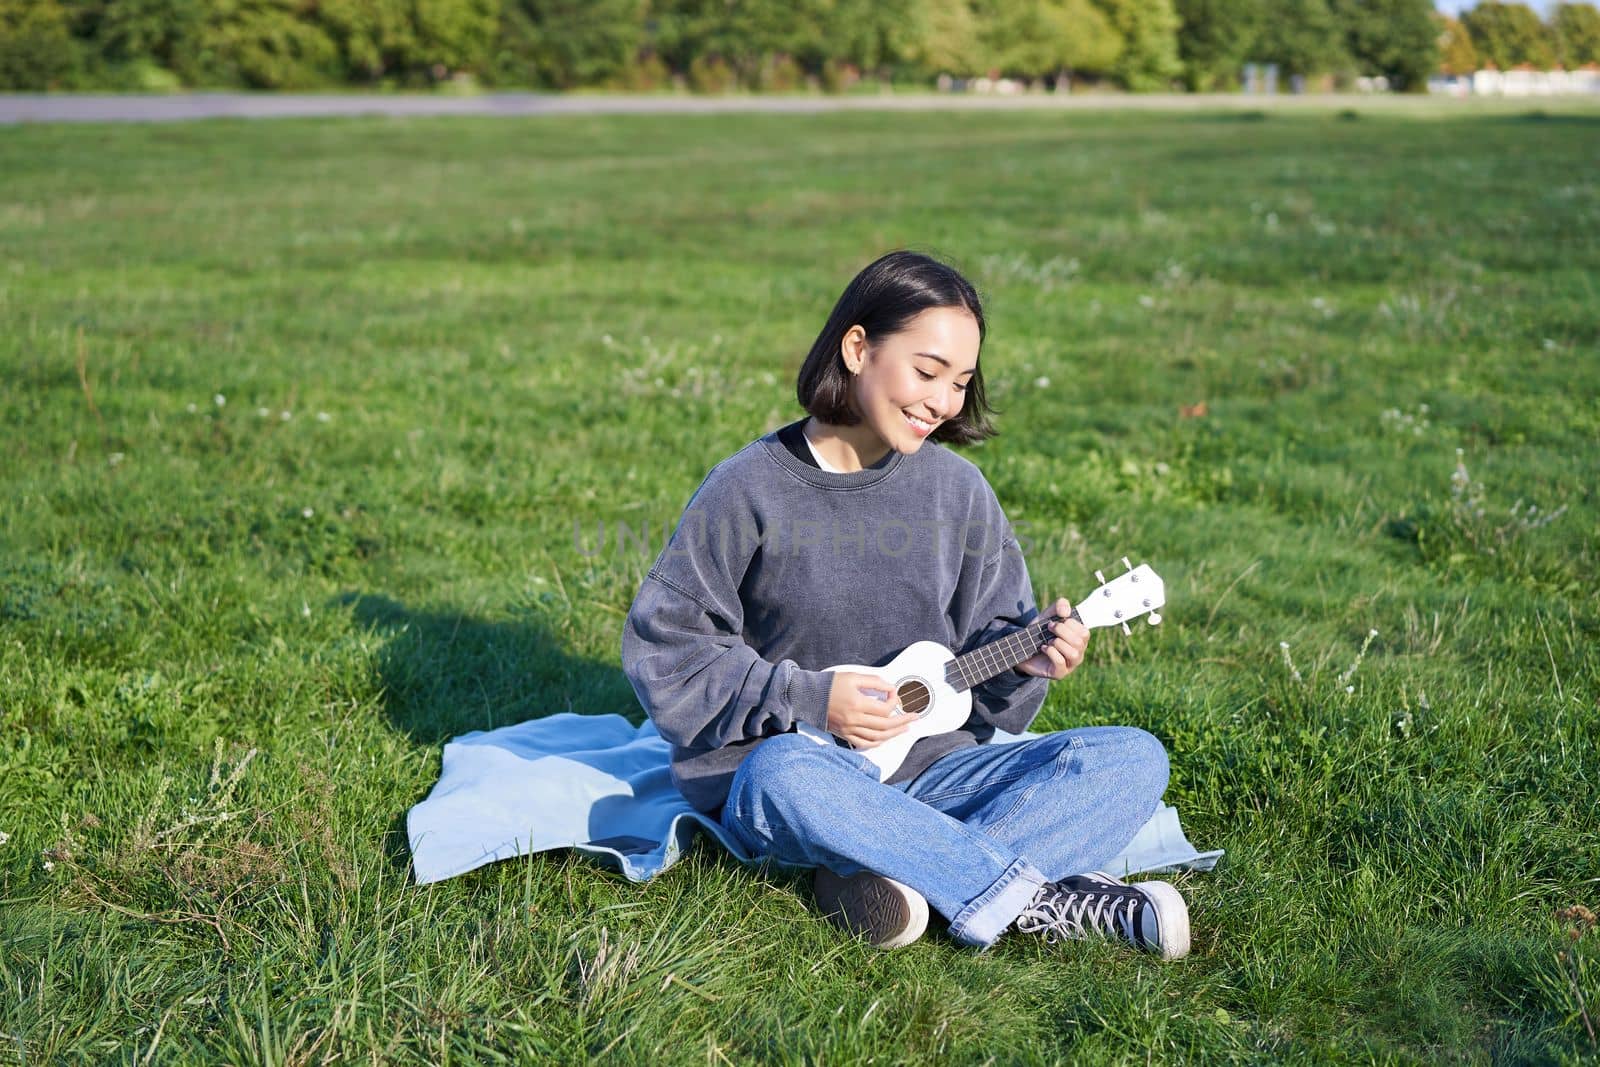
(944, 401)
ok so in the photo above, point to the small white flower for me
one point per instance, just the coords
(1549, 345)
(49, 865)
(219, 400)
(305, 610)
(262, 413)
(1042, 382)
(115, 458)
(605, 339)
(1349, 689)
(285, 415)
(1146, 300)
(4, 837)
(323, 416)
(190, 408)
(307, 512)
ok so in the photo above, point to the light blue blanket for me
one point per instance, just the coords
(599, 784)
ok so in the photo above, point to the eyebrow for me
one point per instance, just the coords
(946, 362)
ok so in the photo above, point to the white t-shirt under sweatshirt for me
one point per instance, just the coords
(820, 461)
(779, 569)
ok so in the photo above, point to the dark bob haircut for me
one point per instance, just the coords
(882, 299)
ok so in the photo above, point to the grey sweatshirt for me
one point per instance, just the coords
(779, 569)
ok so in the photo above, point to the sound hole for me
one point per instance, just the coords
(914, 697)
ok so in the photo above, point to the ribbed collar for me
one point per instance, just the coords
(822, 479)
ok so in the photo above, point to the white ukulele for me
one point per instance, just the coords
(935, 684)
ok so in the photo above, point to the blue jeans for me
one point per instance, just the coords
(977, 833)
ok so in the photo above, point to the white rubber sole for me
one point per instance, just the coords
(886, 913)
(1166, 904)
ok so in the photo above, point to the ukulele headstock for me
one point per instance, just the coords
(1137, 592)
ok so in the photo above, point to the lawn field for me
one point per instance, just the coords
(318, 436)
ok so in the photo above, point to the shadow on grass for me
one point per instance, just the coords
(445, 673)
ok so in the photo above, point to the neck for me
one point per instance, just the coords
(849, 448)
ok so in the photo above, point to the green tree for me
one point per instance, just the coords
(1509, 35)
(36, 46)
(1149, 30)
(738, 33)
(1215, 37)
(1302, 37)
(1040, 38)
(564, 44)
(454, 35)
(1395, 38)
(413, 40)
(375, 37)
(264, 44)
(1456, 54)
(945, 38)
(124, 35)
(1576, 29)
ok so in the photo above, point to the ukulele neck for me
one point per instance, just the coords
(995, 658)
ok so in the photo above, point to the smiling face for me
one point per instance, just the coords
(906, 384)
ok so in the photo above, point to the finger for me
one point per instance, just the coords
(877, 718)
(875, 735)
(876, 690)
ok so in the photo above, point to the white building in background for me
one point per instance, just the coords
(1520, 82)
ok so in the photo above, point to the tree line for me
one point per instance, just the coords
(763, 45)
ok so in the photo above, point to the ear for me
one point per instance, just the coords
(853, 349)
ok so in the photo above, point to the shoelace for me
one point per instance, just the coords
(1059, 915)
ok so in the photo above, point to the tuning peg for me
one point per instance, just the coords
(1126, 564)
(1154, 618)
(1126, 630)
(1099, 578)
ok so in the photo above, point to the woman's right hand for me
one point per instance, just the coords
(861, 718)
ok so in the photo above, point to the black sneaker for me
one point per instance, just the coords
(881, 910)
(1148, 915)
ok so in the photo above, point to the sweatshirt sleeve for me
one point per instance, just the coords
(683, 651)
(1003, 604)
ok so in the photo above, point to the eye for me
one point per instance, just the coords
(925, 376)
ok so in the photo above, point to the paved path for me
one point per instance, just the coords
(60, 107)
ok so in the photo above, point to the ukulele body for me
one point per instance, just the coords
(918, 674)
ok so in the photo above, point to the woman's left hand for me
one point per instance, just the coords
(1064, 653)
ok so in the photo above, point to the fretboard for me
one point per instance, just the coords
(1000, 655)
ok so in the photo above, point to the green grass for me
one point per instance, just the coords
(442, 343)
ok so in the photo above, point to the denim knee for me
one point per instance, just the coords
(1149, 755)
(778, 766)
